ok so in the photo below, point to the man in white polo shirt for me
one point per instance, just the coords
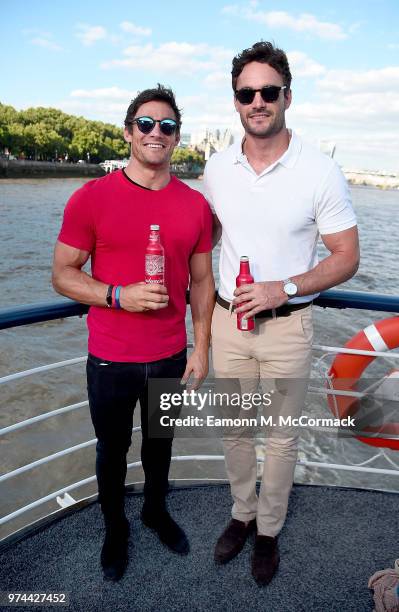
(272, 196)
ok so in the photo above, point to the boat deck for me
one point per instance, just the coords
(332, 541)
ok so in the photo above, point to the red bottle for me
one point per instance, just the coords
(244, 278)
(154, 258)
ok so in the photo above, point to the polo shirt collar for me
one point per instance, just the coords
(238, 155)
(288, 158)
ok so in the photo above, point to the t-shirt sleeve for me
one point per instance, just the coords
(204, 242)
(334, 211)
(77, 228)
(207, 185)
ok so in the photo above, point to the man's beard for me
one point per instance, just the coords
(273, 128)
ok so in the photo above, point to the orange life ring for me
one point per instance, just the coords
(346, 370)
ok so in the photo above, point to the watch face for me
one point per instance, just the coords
(290, 289)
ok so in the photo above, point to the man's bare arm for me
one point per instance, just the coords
(339, 266)
(202, 297)
(202, 301)
(70, 280)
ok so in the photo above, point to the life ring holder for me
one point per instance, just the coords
(346, 370)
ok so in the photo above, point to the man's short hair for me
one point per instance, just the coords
(159, 93)
(266, 53)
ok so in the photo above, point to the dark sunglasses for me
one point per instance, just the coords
(269, 93)
(147, 124)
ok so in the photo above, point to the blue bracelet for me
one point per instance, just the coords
(117, 292)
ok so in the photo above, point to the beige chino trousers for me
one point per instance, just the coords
(276, 355)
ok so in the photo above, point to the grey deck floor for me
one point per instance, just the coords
(333, 540)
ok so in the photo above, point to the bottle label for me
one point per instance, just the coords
(154, 269)
(243, 323)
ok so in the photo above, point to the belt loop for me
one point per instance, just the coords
(231, 309)
(274, 314)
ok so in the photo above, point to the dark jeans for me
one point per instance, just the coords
(113, 390)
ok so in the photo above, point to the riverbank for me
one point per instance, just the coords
(36, 169)
(372, 179)
(39, 169)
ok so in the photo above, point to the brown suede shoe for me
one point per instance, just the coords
(265, 559)
(232, 540)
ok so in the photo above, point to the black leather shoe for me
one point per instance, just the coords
(265, 559)
(232, 540)
(167, 530)
(114, 556)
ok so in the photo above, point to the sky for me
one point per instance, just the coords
(90, 58)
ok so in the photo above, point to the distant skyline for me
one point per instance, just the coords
(90, 58)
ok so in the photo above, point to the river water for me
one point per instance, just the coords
(30, 217)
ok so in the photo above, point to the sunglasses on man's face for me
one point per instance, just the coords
(147, 124)
(269, 93)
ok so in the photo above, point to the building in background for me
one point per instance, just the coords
(209, 142)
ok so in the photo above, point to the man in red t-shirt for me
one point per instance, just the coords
(137, 330)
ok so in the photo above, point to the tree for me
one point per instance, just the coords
(45, 133)
(8, 123)
(88, 142)
(187, 156)
(15, 138)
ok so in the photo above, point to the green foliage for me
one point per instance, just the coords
(188, 157)
(48, 133)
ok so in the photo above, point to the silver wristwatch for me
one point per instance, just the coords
(290, 288)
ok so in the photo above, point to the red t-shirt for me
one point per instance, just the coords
(111, 218)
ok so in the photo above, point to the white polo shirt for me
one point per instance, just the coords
(275, 218)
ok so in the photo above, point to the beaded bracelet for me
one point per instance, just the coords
(117, 292)
(113, 297)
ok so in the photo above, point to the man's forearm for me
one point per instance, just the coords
(331, 271)
(202, 301)
(80, 286)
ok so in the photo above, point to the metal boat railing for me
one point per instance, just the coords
(62, 308)
(35, 313)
